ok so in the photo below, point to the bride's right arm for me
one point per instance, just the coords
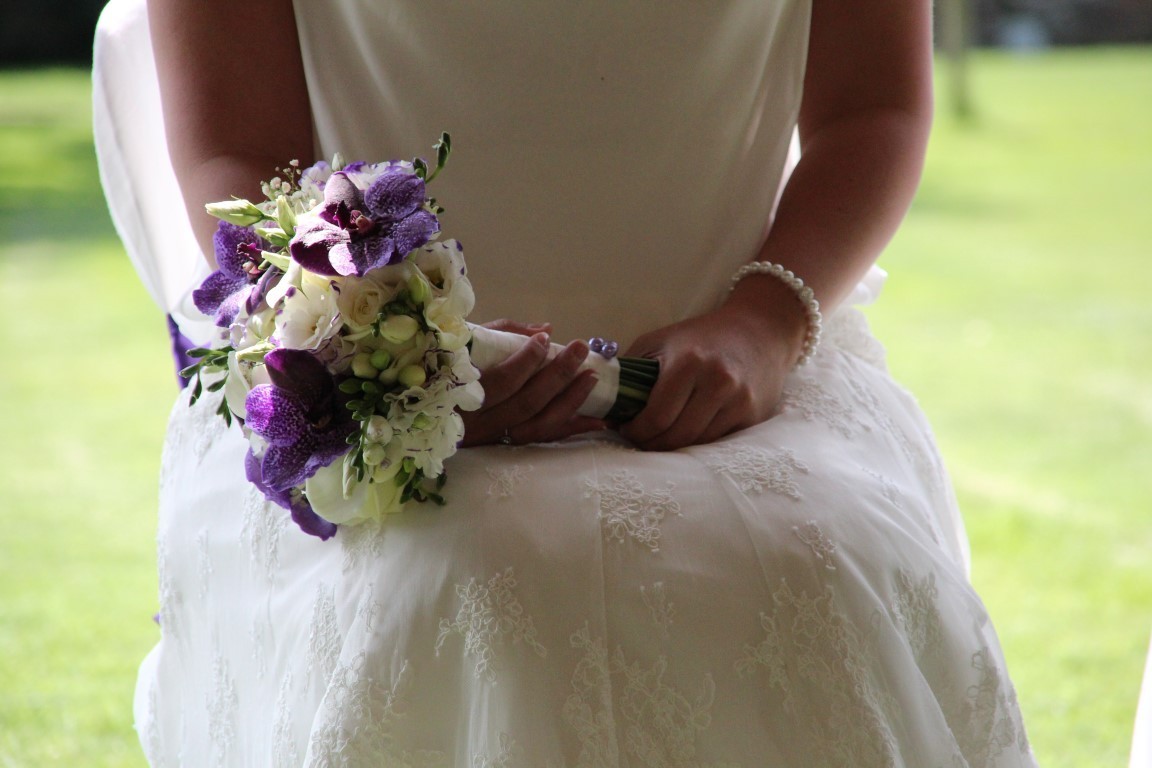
(234, 95)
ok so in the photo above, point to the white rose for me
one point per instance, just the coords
(360, 301)
(337, 496)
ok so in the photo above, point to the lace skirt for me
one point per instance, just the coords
(792, 595)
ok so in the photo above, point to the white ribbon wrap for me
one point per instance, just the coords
(491, 347)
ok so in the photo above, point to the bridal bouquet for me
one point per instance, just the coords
(345, 354)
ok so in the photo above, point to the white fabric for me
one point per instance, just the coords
(792, 595)
(132, 153)
(1141, 756)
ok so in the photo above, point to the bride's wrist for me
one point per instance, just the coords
(777, 303)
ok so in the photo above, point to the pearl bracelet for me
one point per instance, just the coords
(803, 293)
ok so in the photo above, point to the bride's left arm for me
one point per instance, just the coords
(864, 123)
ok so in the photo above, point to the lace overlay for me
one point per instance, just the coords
(815, 403)
(324, 640)
(505, 480)
(362, 718)
(489, 613)
(221, 707)
(285, 753)
(755, 469)
(361, 543)
(993, 719)
(662, 609)
(506, 758)
(661, 724)
(822, 547)
(263, 527)
(811, 648)
(171, 599)
(916, 611)
(629, 510)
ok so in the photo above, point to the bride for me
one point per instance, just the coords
(765, 567)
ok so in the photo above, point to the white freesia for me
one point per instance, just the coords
(309, 315)
(289, 280)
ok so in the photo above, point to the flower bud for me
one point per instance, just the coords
(421, 421)
(381, 359)
(419, 290)
(399, 328)
(239, 212)
(362, 366)
(379, 430)
(374, 455)
(412, 375)
(285, 215)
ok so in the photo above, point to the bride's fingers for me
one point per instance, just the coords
(505, 379)
(559, 419)
(665, 403)
(543, 386)
(550, 396)
(688, 425)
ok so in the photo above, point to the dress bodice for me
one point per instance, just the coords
(562, 219)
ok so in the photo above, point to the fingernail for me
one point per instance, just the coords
(540, 339)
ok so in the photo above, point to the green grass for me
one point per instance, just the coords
(1019, 312)
(1016, 310)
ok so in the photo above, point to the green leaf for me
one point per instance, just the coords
(350, 386)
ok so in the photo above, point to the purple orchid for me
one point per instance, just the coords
(356, 232)
(230, 287)
(293, 501)
(303, 418)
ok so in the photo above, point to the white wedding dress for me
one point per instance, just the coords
(792, 595)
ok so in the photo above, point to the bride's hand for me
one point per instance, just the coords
(530, 399)
(719, 372)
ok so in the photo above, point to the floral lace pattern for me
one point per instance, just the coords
(754, 469)
(258, 634)
(362, 543)
(506, 479)
(263, 526)
(221, 707)
(629, 510)
(916, 612)
(151, 740)
(171, 599)
(822, 547)
(662, 610)
(205, 564)
(487, 614)
(809, 644)
(285, 754)
(508, 756)
(588, 709)
(661, 726)
(324, 640)
(361, 718)
(993, 714)
(815, 403)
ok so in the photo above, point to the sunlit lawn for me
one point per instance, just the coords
(1018, 310)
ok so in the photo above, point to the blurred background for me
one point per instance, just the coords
(1018, 311)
